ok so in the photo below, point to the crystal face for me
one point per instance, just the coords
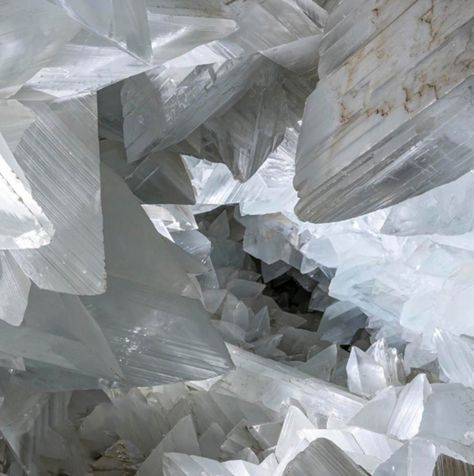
(236, 237)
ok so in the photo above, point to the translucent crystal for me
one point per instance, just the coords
(364, 375)
(55, 151)
(182, 438)
(165, 310)
(408, 412)
(278, 384)
(24, 224)
(393, 105)
(140, 257)
(456, 357)
(340, 322)
(114, 43)
(457, 422)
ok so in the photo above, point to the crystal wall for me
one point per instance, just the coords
(236, 237)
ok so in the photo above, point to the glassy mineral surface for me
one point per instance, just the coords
(236, 237)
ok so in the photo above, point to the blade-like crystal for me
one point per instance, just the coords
(391, 121)
(181, 439)
(23, 223)
(157, 337)
(364, 375)
(59, 155)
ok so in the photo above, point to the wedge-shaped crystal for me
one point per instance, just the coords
(14, 290)
(143, 307)
(181, 439)
(134, 250)
(376, 414)
(162, 178)
(23, 223)
(85, 64)
(364, 375)
(267, 434)
(59, 155)
(121, 457)
(129, 417)
(322, 365)
(340, 322)
(393, 112)
(408, 412)
(326, 457)
(295, 421)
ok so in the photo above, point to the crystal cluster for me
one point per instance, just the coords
(236, 237)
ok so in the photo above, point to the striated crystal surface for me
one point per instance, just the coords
(389, 118)
(24, 224)
(236, 237)
(327, 457)
(59, 155)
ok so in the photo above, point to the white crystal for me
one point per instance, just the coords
(59, 155)
(396, 100)
(24, 224)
